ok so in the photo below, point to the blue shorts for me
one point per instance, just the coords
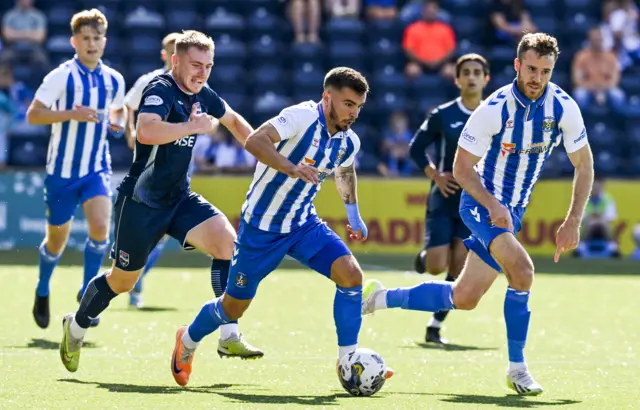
(139, 227)
(477, 219)
(258, 253)
(62, 196)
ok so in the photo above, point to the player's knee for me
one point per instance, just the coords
(465, 297)
(521, 275)
(98, 228)
(233, 308)
(56, 239)
(121, 281)
(436, 267)
(346, 272)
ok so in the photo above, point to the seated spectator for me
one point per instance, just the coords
(343, 8)
(510, 20)
(635, 255)
(429, 43)
(621, 30)
(381, 9)
(18, 92)
(395, 146)
(219, 152)
(597, 226)
(24, 30)
(305, 19)
(596, 75)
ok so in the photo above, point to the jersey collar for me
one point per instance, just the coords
(84, 69)
(323, 123)
(524, 101)
(178, 85)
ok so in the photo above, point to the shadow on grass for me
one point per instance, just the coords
(505, 401)
(449, 347)
(146, 389)
(148, 309)
(50, 345)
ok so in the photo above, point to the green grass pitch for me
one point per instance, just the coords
(584, 347)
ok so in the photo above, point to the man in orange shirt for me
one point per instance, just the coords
(596, 75)
(429, 44)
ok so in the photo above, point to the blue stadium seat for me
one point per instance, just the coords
(502, 57)
(227, 73)
(428, 85)
(633, 107)
(222, 22)
(391, 30)
(129, 6)
(267, 51)
(59, 16)
(307, 53)
(548, 25)
(389, 80)
(138, 68)
(540, 9)
(350, 54)
(630, 84)
(466, 27)
(391, 101)
(59, 44)
(344, 29)
(186, 19)
(307, 94)
(121, 154)
(144, 21)
(275, 7)
(385, 53)
(264, 23)
(142, 46)
(464, 7)
(230, 6)
(605, 163)
(27, 151)
(229, 51)
(577, 25)
(172, 6)
(270, 78)
(237, 101)
(466, 46)
(591, 8)
(308, 77)
(269, 105)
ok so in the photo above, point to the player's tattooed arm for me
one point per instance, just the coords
(346, 182)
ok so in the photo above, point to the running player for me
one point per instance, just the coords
(81, 99)
(155, 198)
(444, 250)
(297, 151)
(500, 156)
(132, 101)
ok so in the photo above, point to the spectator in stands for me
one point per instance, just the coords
(305, 19)
(24, 30)
(597, 226)
(220, 152)
(635, 255)
(621, 30)
(343, 8)
(596, 74)
(510, 20)
(381, 9)
(429, 43)
(395, 146)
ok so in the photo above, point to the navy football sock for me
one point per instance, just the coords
(220, 277)
(95, 300)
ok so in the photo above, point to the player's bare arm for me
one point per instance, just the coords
(470, 181)
(260, 144)
(568, 235)
(117, 119)
(152, 130)
(130, 129)
(346, 183)
(40, 114)
(236, 124)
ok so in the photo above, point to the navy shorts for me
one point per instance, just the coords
(139, 227)
(258, 253)
(483, 232)
(62, 195)
(442, 229)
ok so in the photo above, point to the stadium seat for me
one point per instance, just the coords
(230, 74)
(136, 69)
(60, 44)
(469, 8)
(144, 45)
(308, 77)
(391, 30)
(180, 20)
(172, 6)
(350, 54)
(270, 78)
(389, 79)
(229, 51)
(59, 16)
(130, 6)
(308, 53)
(264, 23)
(577, 25)
(221, 23)
(466, 46)
(630, 84)
(427, 85)
(591, 8)
(144, 21)
(466, 27)
(548, 24)
(344, 29)
(266, 51)
(632, 107)
(27, 151)
(385, 53)
(268, 105)
(275, 7)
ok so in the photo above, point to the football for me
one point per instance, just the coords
(362, 372)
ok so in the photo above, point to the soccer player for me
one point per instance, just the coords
(81, 99)
(155, 198)
(297, 151)
(445, 231)
(132, 101)
(501, 152)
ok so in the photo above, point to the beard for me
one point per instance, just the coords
(334, 118)
(523, 87)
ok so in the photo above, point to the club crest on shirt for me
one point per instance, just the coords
(123, 257)
(548, 124)
(241, 280)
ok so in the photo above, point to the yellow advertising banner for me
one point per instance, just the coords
(394, 210)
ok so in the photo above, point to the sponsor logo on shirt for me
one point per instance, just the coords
(153, 100)
(468, 137)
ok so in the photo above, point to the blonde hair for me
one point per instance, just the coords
(169, 40)
(92, 18)
(193, 38)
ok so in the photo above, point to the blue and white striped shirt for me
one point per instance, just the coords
(514, 136)
(277, 203)
(77, 149)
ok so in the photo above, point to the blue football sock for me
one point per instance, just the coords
(152, 259)
(94, 252)
(220, 277)
(48, 262)
(95, 300)
(347, 314)
(431, 296)
(211, 316)
(442, 315)
(516, 316)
